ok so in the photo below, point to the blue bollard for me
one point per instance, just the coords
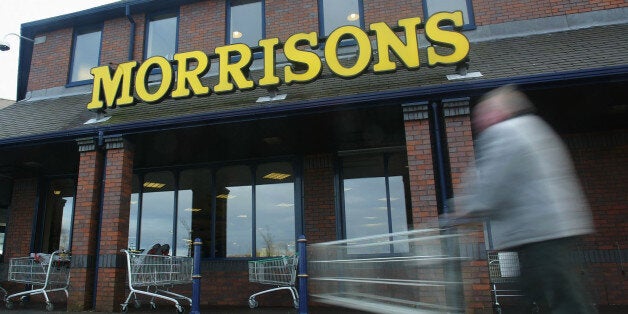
(196, 278)
(302, 251)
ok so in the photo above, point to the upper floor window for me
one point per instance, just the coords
(161, 35)
(85, 53)
(434, 6)
(375, 200)
(245, 22)
(336, 13)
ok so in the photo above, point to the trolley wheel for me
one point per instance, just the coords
(153, 305)
(252, 303)
(498, 308)
(296, 304)
(125, 308)
(50, 307)
(8, 304)
(137, 304)
(180, 309)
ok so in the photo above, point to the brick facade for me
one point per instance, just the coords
(319, 201)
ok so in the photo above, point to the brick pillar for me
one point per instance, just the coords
(22, 211)
(420, 165)
(114, 230)
(85, 232)
(461, 155)
(319, 201)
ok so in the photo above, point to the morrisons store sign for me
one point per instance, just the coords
(117, 87)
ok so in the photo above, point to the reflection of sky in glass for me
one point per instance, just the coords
(85, 57)
(398, 209)
(247, 20)
(275, 219)
(133, 221)
(434, 6)
(184, 223)
(162, 35)
(239, 221)
(366, 210)
(66, 223)
(157, 218)
(335, 13)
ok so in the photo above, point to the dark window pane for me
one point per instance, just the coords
(274, 193)
(194, 211)
(162, 36)
(337, 13)
(157, 209)
(85, 54)
(246, 22)
(234, 212)
(57, 226)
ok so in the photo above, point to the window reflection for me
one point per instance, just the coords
(194, 211)
(161, 38)
(245, 22)
(157, 210)
(274, 192)
(338, 13)
(85, 54)
(234, 212)
(374, 199)
(57, 227)
(133, 215)
(435, 6)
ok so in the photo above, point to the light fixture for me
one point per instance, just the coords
(57, 192)
(225, 196)
(353, 17)
(154, 185)
(192, 209)
(276, 176)
(4, 45)
(236, 34)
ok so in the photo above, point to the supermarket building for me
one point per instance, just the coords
(248, 123)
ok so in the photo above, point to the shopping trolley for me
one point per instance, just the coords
(278, 271)
(156, 274)
(504, 275)
(44, 272)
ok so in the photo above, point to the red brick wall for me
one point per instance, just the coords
(286, 17)
(318, 194)
(600, 160)
(493, 12)
(51, 61)
(202, 26)
(391, 11)
(20, 221)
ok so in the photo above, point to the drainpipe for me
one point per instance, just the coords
(101, 146)
(132, 39)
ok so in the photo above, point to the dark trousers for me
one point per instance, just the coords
(551, 279)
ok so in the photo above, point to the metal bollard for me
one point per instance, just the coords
(196, 278)
(301, 247)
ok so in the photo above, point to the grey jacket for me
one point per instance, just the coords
(525, 183)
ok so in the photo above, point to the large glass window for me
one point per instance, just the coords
(274, 193)
(246, 22)
(161, 35)
(238, 211)
(85, 53)
(157, 212)
(433, 6)
(57, 217)
(336, 13)
(374, 199)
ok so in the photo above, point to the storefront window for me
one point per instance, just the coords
(234, 212)
(245, 22)
(157, 210)
(434, 6)
(336, 13)
(85, 53)
(134, 211)
(274, 208)
(194, 211)
(374, 199)
(161, 35)
(57, 218)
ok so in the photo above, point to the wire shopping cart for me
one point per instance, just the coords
(504, 275)
(44, 272)
(156, 274)
(278, 271)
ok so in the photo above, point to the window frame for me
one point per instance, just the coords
(321, 19)
(77, 32)
(341, 215)
(256, 54)
(150, 17)
(469, 25)
(213, 169)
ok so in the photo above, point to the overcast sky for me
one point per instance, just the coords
(15, 12)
